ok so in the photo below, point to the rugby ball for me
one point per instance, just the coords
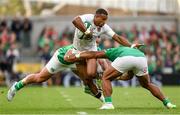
(81, 34)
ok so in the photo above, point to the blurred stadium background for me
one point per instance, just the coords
(31, 30)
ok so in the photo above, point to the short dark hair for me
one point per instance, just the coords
(101, 11)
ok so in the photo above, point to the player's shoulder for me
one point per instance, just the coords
(106, 26)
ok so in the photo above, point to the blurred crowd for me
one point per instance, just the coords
(162, 46)
(15, 34)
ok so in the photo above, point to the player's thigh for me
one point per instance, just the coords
(81, 70)
(79, 74)
(144, 80)
(111, 73)
(126, 76)
(91, 66)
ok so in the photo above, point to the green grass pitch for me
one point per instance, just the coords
(59, 100)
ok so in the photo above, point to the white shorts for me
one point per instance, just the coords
(126, 63)
(54, 65)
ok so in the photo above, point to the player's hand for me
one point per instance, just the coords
(70, 56)
(137, 45)
(88, 36)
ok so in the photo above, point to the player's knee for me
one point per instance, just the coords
(146, 85)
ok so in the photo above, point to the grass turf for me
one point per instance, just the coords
(59, 100)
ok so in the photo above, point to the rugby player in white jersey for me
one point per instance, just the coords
(87, 40)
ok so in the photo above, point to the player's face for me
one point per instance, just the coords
(100, 19)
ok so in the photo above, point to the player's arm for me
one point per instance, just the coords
(92, 54)
(84, 55)
(78, 23)
(121, 40)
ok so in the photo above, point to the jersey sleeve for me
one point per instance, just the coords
(87, 17)
(108, 31)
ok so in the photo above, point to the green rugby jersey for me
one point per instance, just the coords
(61, 52)
(121, 51)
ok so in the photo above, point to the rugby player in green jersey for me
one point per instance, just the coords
(123, 59)
(56, 64)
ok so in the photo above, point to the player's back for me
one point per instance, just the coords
(121, 51)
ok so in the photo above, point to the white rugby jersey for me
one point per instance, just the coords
(90, 44)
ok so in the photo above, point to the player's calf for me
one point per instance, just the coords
(155, 91)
